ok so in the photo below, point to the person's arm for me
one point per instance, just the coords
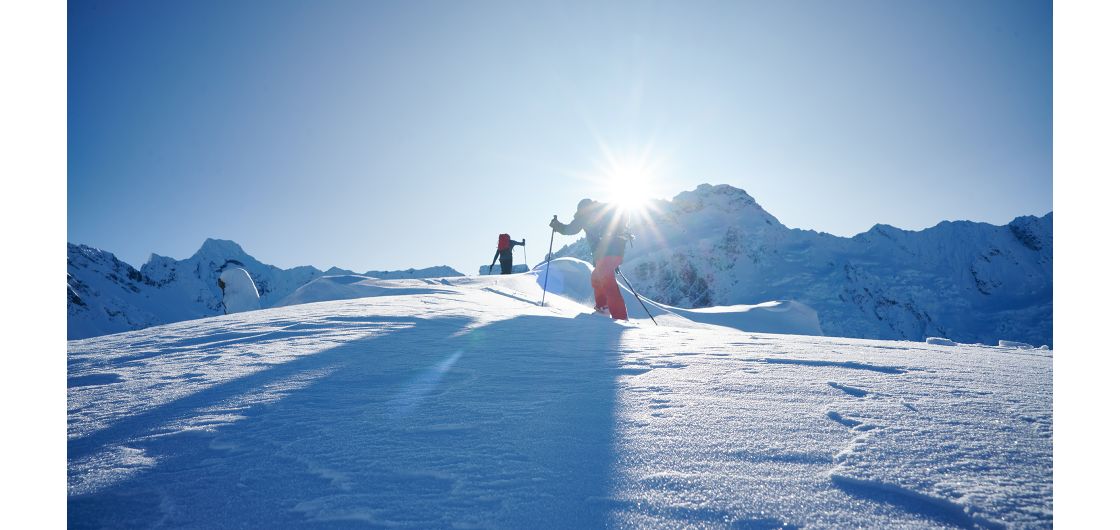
(569, 229)
(513, 243)
(496, 252)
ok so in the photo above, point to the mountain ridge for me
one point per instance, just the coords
(106, 295)
(969, 280)
(715, 245)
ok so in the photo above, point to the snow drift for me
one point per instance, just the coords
(343, 287)
(239, 293)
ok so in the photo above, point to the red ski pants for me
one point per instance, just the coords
(607, 293)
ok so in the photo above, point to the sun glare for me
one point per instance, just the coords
(627, 186)
(628, 183)
(631, 180)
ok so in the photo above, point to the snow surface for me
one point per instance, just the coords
(240, 293)
(940, 341)
(462, 402)
(346, 287)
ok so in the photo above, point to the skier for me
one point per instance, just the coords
(607, 236)
(505, 251)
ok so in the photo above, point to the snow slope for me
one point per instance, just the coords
(462, 402)
(346, 287)
(106, 295)
(966, 281)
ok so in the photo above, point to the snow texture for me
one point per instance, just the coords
(239, 292)
(462, 402)
(941, 341)
(974, 282)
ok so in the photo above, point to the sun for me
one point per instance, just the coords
(628, 184)
(631, 181)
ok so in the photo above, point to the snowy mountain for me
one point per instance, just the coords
(106, 295)
(971, 282)
(441, 271)
(463, 403)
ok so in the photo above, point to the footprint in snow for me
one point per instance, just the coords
(849, 422)
(850, 390)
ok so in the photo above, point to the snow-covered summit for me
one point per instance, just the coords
(725, 199)
(969, 281)
(214, 249)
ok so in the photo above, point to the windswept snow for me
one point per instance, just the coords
(462, 402)
(346, 287)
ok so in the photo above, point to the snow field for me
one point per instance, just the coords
(461, 402)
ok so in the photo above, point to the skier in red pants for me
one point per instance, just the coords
(606, 234)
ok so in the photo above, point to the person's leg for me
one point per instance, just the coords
(598, 285)
(610, 287)
(507, 266)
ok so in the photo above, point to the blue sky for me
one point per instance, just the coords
(382, 135)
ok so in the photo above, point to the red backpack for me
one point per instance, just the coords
(503, 241)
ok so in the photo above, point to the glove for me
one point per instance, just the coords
(554, 224)
(522, 241)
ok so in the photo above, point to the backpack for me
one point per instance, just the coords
(503, 241)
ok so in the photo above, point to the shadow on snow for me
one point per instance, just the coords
(510, 424)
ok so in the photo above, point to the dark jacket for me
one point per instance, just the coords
(507, 254)
(602, 225)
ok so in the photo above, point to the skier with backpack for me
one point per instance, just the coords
(505, 252)
(607, 235)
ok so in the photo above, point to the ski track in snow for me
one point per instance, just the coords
(474, 407)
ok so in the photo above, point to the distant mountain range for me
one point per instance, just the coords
(715, 245)
(967, 281)
(106, 295)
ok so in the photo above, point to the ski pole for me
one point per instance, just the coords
(548, 263)
(618, 271)
(525, 254)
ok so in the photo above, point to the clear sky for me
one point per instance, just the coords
(386, 135)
